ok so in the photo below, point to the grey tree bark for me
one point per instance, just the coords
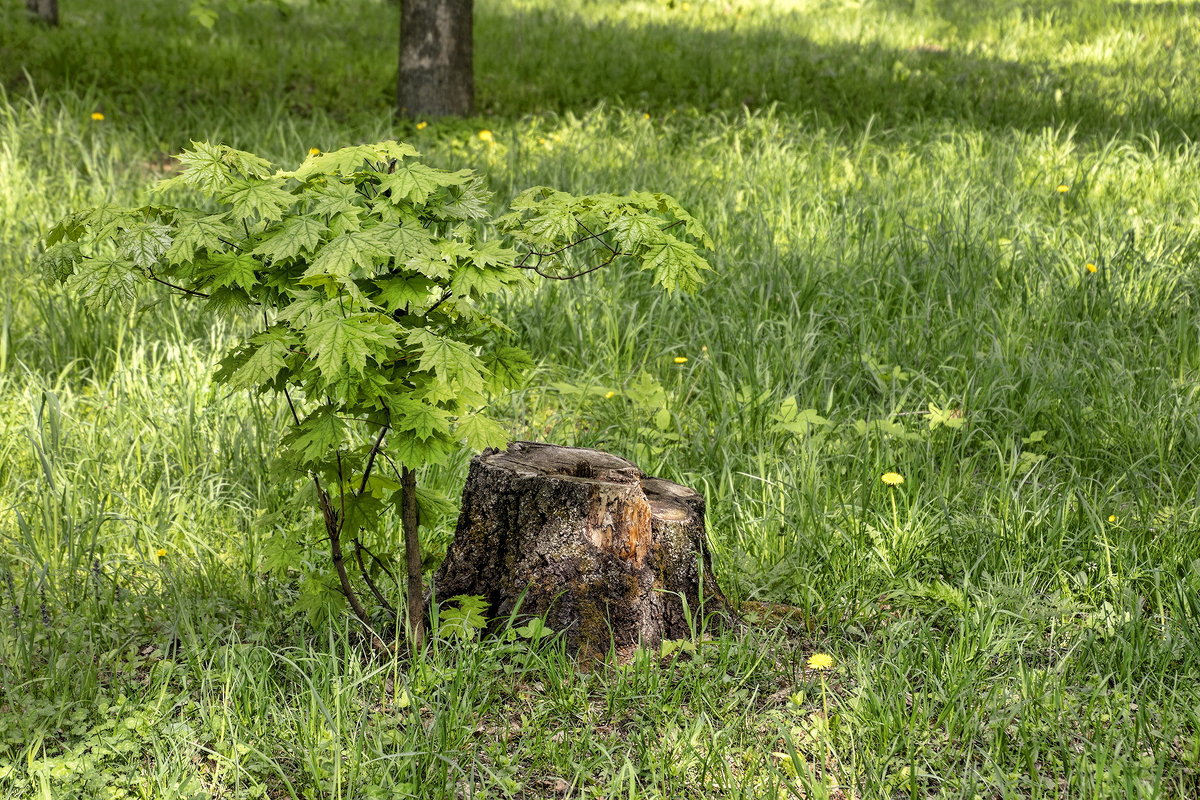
(436, 50)
(610, 557)
(43, 10)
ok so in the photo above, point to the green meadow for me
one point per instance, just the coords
(955, 241)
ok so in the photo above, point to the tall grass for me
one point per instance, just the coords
(905, 197)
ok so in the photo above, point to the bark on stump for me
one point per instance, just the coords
(609, 556)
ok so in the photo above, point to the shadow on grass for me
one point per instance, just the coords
(147, 61)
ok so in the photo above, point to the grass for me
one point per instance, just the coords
(883, 181)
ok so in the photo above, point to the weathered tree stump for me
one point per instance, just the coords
(609, 556)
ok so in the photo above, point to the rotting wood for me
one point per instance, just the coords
(609, 556)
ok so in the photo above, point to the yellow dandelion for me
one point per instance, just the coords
(1091, 267)
(314, 151)
(486, 136)
(422, 125)
(892, 478)
(160, 552)
(1112, 517)
(97, 116)
(646, 116)
(819, 661)
(680, 359)
(609, 395)
(1063, 188)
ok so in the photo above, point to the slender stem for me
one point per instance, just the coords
(362, 568)
(157, 279)
(895, 516)
(412, 553)
(362, 487)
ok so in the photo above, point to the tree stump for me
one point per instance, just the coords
(608, 556)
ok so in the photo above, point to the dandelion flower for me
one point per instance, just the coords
(1063, 188)
(486, 136)
(160, 552)
(422, 125)
(609, 395)
(314, 151)
(646, 115)
(819, 661)
(97, 116)
(892, 478)
(1112, 517)
(680, 359)
(1091, 267)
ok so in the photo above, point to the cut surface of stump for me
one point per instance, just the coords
(608, 556)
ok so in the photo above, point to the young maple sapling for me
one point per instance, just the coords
(364, 269)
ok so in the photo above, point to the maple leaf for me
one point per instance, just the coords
(317, 438)
(414, 181)
(104, 280)
(506, 366)
(265, 198)
(450, 360)
(343, 253)
(422, 419)
(340, 345)
(480, 432)
(403, 294)
(233, 269)
(145, 242)
(292, 237)
(198, 232)
(676, 264)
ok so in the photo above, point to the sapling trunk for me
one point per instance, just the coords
(412, 554)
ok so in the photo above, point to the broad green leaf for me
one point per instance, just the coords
(233, 269)
(403, 294)
(145, 242)
(506, 366)
(194, 232)
(414, 182)
(265, 199)
(676, 265)
(336, 197)
(317, 438)
(451, 360)
(342, 254)
(291, 237)
(340, 345)
(422, 419)
(104, 281)
(480, 432)
(264, 362)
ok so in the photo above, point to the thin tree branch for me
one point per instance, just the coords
(362, 568)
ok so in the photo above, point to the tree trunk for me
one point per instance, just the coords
(436, 73)
(43, 10)
(610, 557)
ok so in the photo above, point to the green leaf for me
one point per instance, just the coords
(292, 237)
(339, 345)
(337, 197)
(342, 254)
(405, 294)
(265, 199)
(264, 362)
(317, 438)
(104, 281)
(505, 367)
(414, 182)
(145, 242)
(422, 419)
(480, 432)
(463, 622)
(348, 160)
(676, 265)
(233, 269)
(59, 260)
(195, 232)
(450, 360)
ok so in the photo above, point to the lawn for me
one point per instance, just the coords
(956, 241)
